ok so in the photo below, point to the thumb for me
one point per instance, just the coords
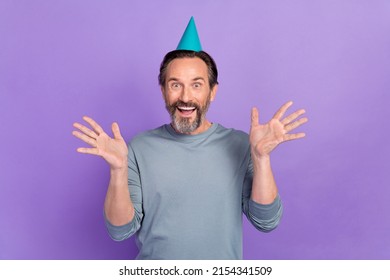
(254, 117)
(116, 131)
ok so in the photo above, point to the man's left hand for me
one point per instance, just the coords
(265, 137)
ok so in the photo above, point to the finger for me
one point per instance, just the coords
(86, 130)
(94, 125)
(279, 114)
(289, 137)
(91, 151)
(293, 116)
(116, 131)
(254, 117)
(84, 138)
(295, 124)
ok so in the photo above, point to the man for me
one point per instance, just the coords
(182, 187)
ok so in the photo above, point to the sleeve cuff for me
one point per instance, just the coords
(265, 211)
(119, 233)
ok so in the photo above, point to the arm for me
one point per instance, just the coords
(264, 217)
(123, 231)
(263, 140)
(118, 207)
(264, 206)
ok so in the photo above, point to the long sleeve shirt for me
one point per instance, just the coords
(189, 193)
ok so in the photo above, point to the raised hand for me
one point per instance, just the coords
(113, 150)
(265, 137)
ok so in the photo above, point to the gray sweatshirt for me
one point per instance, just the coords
(189, 193)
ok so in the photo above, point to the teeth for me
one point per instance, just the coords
(187, 108)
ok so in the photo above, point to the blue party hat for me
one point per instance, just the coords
(190, 39)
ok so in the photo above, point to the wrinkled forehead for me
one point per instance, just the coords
(187, 69)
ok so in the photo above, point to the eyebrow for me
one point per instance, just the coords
(198, 78)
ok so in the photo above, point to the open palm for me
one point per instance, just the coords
(265, 137)
(113, 150)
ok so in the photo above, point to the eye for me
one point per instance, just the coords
(197, 85)
(175, 86)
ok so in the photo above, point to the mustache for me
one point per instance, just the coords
(172, 107)
(185, 104)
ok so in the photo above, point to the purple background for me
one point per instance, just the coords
(60, 60)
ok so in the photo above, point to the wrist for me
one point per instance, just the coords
(260, 161)
(118, 178)
(119, 164)
(257, 156)
(118, 171)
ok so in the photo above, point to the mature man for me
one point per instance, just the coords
(182, 187)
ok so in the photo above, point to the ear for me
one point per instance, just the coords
(214, 92)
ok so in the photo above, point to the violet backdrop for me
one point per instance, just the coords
(60, 60)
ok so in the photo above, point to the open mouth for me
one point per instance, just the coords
(186, 111)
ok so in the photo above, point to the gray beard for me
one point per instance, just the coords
(185, 125)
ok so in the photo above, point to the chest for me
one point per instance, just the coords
(175, 175)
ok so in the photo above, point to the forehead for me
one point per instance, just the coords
(187, 68)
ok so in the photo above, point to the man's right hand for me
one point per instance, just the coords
(113, 150)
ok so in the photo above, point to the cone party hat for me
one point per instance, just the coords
(190, 39)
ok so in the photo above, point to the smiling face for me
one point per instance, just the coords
(187, 94)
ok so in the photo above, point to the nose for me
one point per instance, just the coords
(186, 95)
